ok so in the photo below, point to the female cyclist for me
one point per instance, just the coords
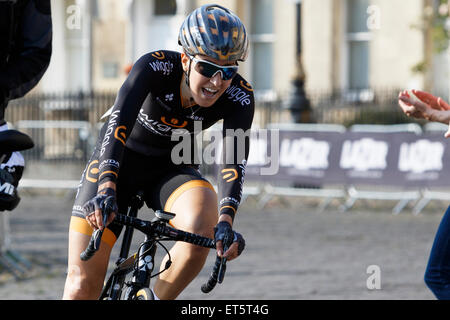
(437, 275)
(163, 95)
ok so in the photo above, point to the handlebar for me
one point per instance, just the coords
(220, 266)
(158, 229)
(93, 246)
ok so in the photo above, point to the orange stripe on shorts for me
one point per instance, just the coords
(185, 187)
(82, 226)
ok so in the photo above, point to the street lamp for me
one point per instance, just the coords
(298, 104)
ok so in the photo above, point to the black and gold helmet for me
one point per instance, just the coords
(216, 32)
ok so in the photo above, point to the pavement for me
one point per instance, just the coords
(293, 252)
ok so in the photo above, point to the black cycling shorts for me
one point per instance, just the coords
(161, 181)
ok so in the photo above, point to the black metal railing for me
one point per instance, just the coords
(65, 126)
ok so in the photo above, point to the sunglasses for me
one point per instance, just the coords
(209, 69)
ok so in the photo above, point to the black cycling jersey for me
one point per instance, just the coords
(148, 112)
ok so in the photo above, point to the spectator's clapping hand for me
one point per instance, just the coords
(423, 105)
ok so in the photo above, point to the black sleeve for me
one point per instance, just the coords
(27, 65)
(236, 147)
(123, 116)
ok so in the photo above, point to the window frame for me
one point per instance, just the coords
(260, 38)
(349, 37)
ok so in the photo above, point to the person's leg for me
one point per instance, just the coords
(437, 274)
(85, 278)
(195, 206)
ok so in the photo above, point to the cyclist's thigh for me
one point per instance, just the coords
(86, 191)
(85, 276)
(185, 192)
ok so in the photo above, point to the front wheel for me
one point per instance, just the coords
(141, 294)
(144, 294)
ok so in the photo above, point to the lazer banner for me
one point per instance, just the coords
(316, 158)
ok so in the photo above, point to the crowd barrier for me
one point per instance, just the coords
(401, 163)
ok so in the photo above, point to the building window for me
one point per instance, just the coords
(262, 38)
(165, 7)
(110, 70)
(358, 37)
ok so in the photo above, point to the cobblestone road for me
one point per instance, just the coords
(292, 253)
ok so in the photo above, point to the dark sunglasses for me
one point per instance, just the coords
(209, 69)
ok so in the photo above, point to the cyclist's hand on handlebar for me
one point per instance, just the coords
(223, 231)
(92, 208)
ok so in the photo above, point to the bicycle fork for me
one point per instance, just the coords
(143, 268)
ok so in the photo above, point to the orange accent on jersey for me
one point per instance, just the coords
(122, 134)
(94, 172)
(105, 172)
(246, 85)
(234, 210)
(174, 122)
(230, 174)
(158, 55)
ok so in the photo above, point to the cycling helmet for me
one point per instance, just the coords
(216, 32)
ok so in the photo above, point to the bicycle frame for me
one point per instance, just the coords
(142, 263)
(141, 275)
(124, 265)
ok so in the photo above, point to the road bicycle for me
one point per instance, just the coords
(141, 263)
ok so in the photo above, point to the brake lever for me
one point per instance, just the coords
(227, 242)
(96, 238)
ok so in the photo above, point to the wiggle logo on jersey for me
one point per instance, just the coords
(174, 122)
(110, 129)
(92, 171)
(237, 94)
(158, 55)
(241, 182)
(120, 135)
(155, 126)
(165, 67)
(229, 174)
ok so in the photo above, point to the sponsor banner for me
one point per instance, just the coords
(372, 158)
(397, 159)
(425, 160)
(301, 157)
